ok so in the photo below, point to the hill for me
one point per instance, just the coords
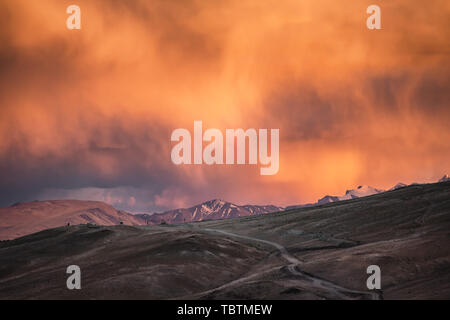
(25, 218)
(319, 252)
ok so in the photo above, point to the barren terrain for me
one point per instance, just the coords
(319, 252)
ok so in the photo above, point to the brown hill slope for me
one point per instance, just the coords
(25, 218)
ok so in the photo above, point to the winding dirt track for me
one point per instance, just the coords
(332, 290)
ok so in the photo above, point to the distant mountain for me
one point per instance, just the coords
(25, 218)
(29, 217)
(209, 210)
(360, 191)
(328, 199)
(398, 186)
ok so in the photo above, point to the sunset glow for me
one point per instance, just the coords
(88, 114)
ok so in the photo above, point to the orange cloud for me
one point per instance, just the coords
(95, 107)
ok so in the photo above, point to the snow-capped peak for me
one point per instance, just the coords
(360, 191)
(445, 178)
(213, 205)
(209, 210)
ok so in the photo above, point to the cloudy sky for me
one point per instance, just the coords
(88, 114)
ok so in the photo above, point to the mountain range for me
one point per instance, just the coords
(359, 192)
(25, 218)
(209, 210)
(320, 252)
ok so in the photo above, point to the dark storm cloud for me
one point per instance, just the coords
(432, 94)
(304, 112)
(23, 175)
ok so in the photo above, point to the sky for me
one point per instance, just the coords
(88, 114)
